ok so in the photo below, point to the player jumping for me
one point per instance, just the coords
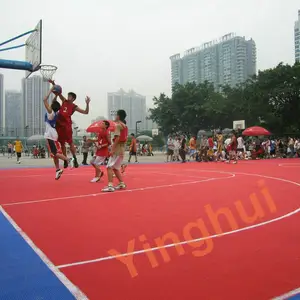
(51, 135)
(117, 153)
(64, 123)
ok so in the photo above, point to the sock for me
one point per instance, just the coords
(110, 184)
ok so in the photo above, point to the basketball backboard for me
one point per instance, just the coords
(33, 49)
(239, 124)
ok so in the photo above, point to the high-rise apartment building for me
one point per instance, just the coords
(230, 60)
(13, 113)
(297, 38)
(1, 103)
(134, 105)
(34, 90)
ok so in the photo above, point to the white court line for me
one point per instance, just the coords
(90, 172)
(289, 165)
(122, 191)
(179, 174)
(200, 239)
(180, 243)
(74, 290)
(288, 295)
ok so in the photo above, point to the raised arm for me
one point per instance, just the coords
(61, 97)
(46, 103)
(87, 108)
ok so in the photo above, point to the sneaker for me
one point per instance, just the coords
(120, 186)
(108, 189)
(96, 179)
(58, 174)
(75, 162)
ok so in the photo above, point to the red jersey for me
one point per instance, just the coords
(124, 133)
(66, 111)
(103, 139)
(233, 143)
(210, 143)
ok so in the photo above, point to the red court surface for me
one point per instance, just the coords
(179, 231)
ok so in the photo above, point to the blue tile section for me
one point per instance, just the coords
(23, 275)
(296, 297)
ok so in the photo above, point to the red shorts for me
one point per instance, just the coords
(54, 147)
(65, 134)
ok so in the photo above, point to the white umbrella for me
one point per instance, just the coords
(144, 138)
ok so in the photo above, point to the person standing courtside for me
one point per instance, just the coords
(18, 149)
(85, 150)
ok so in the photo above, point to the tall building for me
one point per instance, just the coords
(134, 105)
(297, 38)
(230, 60)
(1, 103)
(34, 90)
(13, 113)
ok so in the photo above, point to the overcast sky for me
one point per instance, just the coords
(100, 46)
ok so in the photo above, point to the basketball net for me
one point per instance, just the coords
(47, 71)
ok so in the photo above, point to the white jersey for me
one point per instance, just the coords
(50, 121)
(240, 142)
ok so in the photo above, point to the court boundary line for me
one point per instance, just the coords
(288, 295)
(180, 243)
(66, 173)
(73, 289)
(289, 165)
(121, 191)
(203, 238)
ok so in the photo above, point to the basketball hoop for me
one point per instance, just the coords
(47, 71)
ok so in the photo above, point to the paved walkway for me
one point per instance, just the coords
(47, 162)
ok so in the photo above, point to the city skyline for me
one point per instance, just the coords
(230, 60)
(13, 113)
(133, 103)
(133, 46)
(1, 101)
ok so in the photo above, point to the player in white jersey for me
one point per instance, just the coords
(51, 135)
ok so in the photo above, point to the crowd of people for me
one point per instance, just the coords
(232, 147)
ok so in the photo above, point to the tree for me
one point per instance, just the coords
(271, 99)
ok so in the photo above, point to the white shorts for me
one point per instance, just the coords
(98, 160)
(115, 162)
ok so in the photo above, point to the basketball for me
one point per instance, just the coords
(57, 90)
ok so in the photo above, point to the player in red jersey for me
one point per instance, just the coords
(103, 142)
(232, 147)
(64, 123)
(117, 153)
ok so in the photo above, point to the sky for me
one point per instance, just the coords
(100, 46)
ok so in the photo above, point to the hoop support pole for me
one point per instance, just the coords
(16, 65)
(17, 37)
(14, 47)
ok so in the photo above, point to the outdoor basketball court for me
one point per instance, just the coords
(179, 231)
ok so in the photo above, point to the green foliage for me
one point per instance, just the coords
(270, 99)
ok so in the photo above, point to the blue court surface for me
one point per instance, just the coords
(23, 275)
